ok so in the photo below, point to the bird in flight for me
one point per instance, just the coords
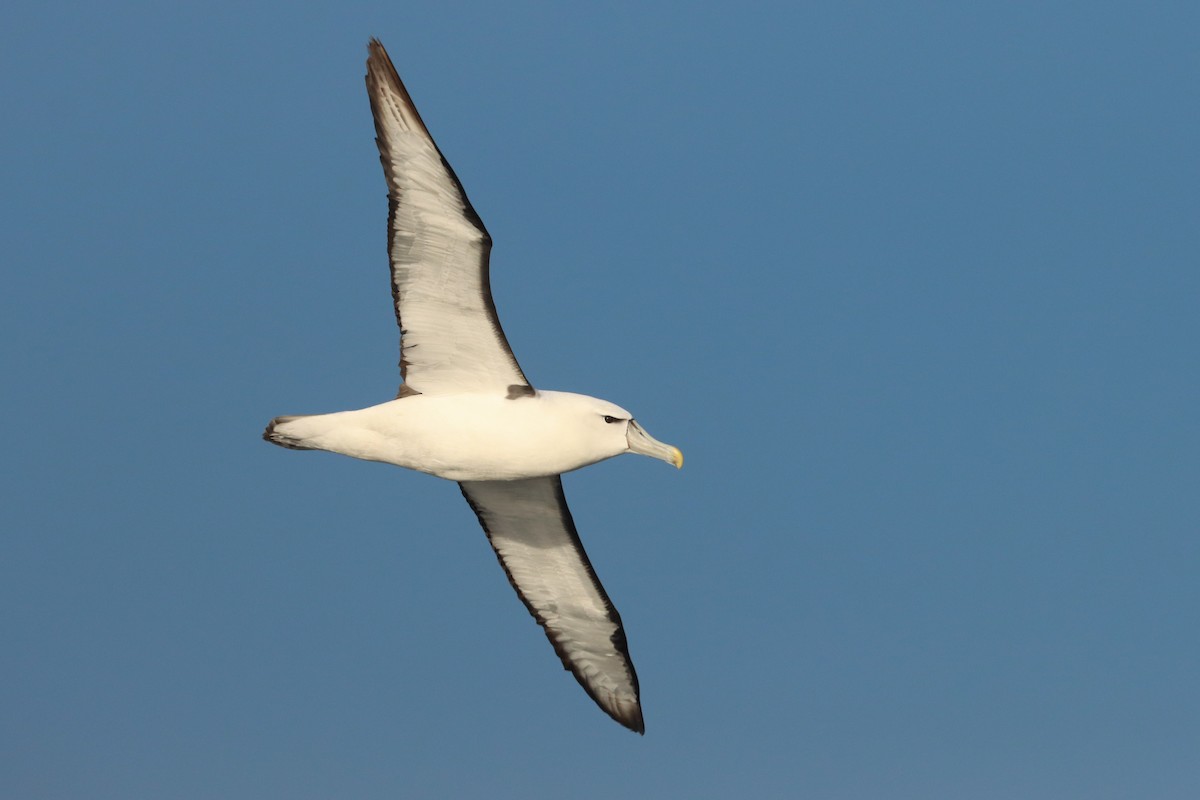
(467, 413)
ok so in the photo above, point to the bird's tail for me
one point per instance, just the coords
(277, 433)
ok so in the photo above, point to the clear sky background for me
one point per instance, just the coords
(914, 286)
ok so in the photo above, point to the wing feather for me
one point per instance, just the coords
(450, 335)
(531, 530)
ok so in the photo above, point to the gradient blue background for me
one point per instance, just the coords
(914, 288)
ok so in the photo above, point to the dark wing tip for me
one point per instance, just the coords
(634, 721)
(381, 72)
(378, 59)
(625, 713)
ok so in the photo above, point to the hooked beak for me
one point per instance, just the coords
(641, 442)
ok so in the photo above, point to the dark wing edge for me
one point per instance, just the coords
(382, 73)
(631, 715)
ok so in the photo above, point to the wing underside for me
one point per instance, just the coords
(451, 339)
(534, 537)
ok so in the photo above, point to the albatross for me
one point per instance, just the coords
(467, 413)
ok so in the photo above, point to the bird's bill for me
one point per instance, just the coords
(643, 443)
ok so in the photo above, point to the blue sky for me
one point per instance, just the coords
(913, 286)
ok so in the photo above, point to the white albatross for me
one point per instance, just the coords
(466, 412)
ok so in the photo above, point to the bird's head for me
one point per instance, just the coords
(613, 430)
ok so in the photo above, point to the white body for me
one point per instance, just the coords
(470, 437)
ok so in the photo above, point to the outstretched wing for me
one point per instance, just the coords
(450, 336)
(535, 539)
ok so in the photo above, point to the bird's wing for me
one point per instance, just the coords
(535, 540)
(450, 336)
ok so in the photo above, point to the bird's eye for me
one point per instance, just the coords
(610, 420)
